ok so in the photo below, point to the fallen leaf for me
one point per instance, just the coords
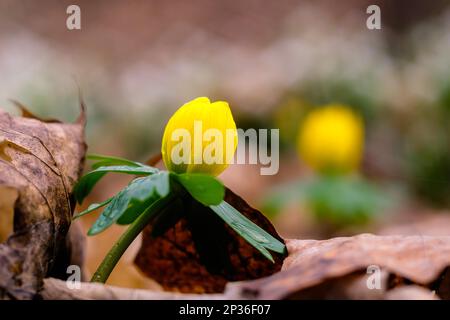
(41, 161)
(197, 252)
(311, 263)
(7, 200)
(410, 292)
(411, 267)
(55, 289)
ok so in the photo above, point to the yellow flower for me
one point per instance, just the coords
(331, 139)
(200, 137)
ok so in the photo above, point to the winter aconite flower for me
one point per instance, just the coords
(200, 137)
(199, 142)
(331, 139)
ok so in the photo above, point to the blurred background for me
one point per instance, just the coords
(276, 63)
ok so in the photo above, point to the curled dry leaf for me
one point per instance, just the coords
(39, 164)
(411, 267)
(311, 263)
(197, 252)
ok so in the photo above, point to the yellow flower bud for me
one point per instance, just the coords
(331, 139)
(200, 137)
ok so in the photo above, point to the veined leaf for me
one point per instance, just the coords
(146, 189)
(252, 233)
(211, 252)
(161, 186)
(202, 187)
(92, 207)
(135, 209)
(89, 180)
(101, 161)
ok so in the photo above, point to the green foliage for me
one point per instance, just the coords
(283, 195)
(128, 202)
(337, 200)
(427, 143)
(430, 172)
(89, 180)
(444, 96)
(252, 233)
(134, 210)
(142, 194)
(104, 161)
(202, 187)
(343, 201)
(92, 207)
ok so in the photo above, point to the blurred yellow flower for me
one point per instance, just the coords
(331, 139)
(200, 137)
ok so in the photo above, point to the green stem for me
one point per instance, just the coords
(116, 252)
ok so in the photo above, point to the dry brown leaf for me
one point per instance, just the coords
(200, 253)
(55, 289)
(411, 268)
(410, 292)
(416, 259)
(7, 200)
(348, 287)
(41, 161)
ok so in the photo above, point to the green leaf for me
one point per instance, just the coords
(161, 182)
(129, 200)
(161, 186)
(101, 161)
(344, 200)
(335, 199)
(135, 209)
(252, 233)
(89, 180)
(283, 195)
(92, 207)
(202, 187)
